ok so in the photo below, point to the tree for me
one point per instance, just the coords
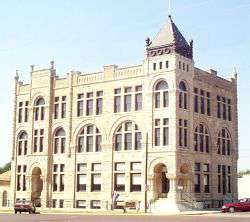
(5, 168)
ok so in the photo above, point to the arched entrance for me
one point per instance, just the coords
(161, 182)
(36, 186)
(5, 199)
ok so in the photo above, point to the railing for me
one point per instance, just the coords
(189, 198)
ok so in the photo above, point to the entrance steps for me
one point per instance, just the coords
(166, 205)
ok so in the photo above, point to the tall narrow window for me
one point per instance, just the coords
(196, 100)
(96, 177)
(117, 101)
(81, 177)
(59, 141)
(183, 98)
(22, 144)
(80, 104)
(157, 132)
(38, 140)
(39, 109)
(89, 108)
(127, 99)
(56, 108)
(224, 142)
(63, 107)
(197, 178)
(58, 177)
(161, 97)
(183, 133)
(138, 98)
(20, 111)
(201, 139)
(99, 99)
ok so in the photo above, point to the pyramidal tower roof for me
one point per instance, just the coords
(170, 39)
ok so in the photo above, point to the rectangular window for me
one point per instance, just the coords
(119, 166)
(197, 167)
(81, 182)
(98, 106)
(55, 182)
(135, 166)
(63, 107)
(157, 100)
(54, 203)
(98, 147)
(95, 204)
(154, 66)
(20, 112)
(157, 137)
(89, 110)
(89, 144)
(138, 139)
(127, 103)
(95, 182)
(120, 182)
(81, 204)
(128, 141)
(135, 182)
(18, 182)
(26, 111)
(80, 103)
(160, 65)
(197, 183)
(206, 183)
(218, 106)
(138, 101)
(118, 142)
(61, 203)
(165, 132)
(219, 183)
(117, 105)
(167, 64)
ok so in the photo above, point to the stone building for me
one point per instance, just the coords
(4, 189)
(163, 133)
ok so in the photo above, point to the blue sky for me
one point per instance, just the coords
(85, 35)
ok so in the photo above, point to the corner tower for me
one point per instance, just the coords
(169, 40)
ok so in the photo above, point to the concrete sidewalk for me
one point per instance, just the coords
(115, 212)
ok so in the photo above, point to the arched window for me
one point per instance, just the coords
(224, 142)
(183, 97)
(59, 141)
(201, 139)
(39, 109)
(89, 139)
(22, 143)
(127, 137)
(161, 94)
(5, 199)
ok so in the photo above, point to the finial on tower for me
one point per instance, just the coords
(17, 76)
(52, 64)
(32, 67)
(233, 75)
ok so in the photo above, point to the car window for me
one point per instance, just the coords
(243, 200)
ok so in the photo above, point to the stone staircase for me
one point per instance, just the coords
(167, 205)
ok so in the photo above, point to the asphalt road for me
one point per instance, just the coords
(238, 217)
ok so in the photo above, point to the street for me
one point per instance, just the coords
(237, 217)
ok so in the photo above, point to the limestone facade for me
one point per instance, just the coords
(163, 129)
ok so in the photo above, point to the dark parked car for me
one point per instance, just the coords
(241, 205)
(24, 206)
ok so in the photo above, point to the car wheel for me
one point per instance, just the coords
(231, 209)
